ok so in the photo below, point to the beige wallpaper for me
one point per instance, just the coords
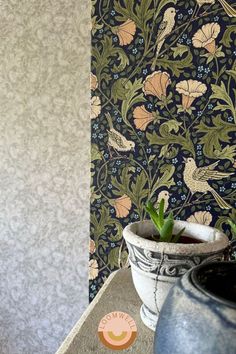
(44, 172)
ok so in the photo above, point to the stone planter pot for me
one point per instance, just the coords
(199, 314)
(156, 266)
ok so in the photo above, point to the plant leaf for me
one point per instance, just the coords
(214, 135)
(176, 66)
(123, 59)
(161, 212)
(231, 73)
(226, 39)
(153, 215)
(166, 137)
(119, 91)
(165, 179)
(132, 96)
(179, 50)
(166, 230)
(102, 54)
(176, 237)
(173, 125)
(95, 153)
(122, 184)
(233, 227)
(138, 190)
(220, 93)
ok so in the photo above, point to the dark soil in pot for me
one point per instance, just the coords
(183, 239)
(186, 239)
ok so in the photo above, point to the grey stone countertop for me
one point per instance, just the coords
(117, 294)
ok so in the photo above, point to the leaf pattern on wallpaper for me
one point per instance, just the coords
(163, 91)
(214, 135)
(177, 66)
(220, 93)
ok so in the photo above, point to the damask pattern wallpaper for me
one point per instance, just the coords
(163, 117)
(44, 171)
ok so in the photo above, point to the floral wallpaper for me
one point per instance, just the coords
(163, 118)
(44, 192)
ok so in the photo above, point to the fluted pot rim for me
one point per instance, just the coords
(214, 240)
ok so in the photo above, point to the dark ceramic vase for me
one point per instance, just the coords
(199, 314)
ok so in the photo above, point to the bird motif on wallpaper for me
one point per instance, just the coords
(163, 195)
(196, 179)
(164, 30)
(231, 12)
(116, 140)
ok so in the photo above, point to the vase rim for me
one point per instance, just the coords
(194, 280)
(213, 239)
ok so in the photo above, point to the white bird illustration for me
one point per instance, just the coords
(163, 195)
(231, 12)
(116, 140)
(196, 179)
(164, 30)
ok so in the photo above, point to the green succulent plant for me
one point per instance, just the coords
(164, 225)
(232, 225)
